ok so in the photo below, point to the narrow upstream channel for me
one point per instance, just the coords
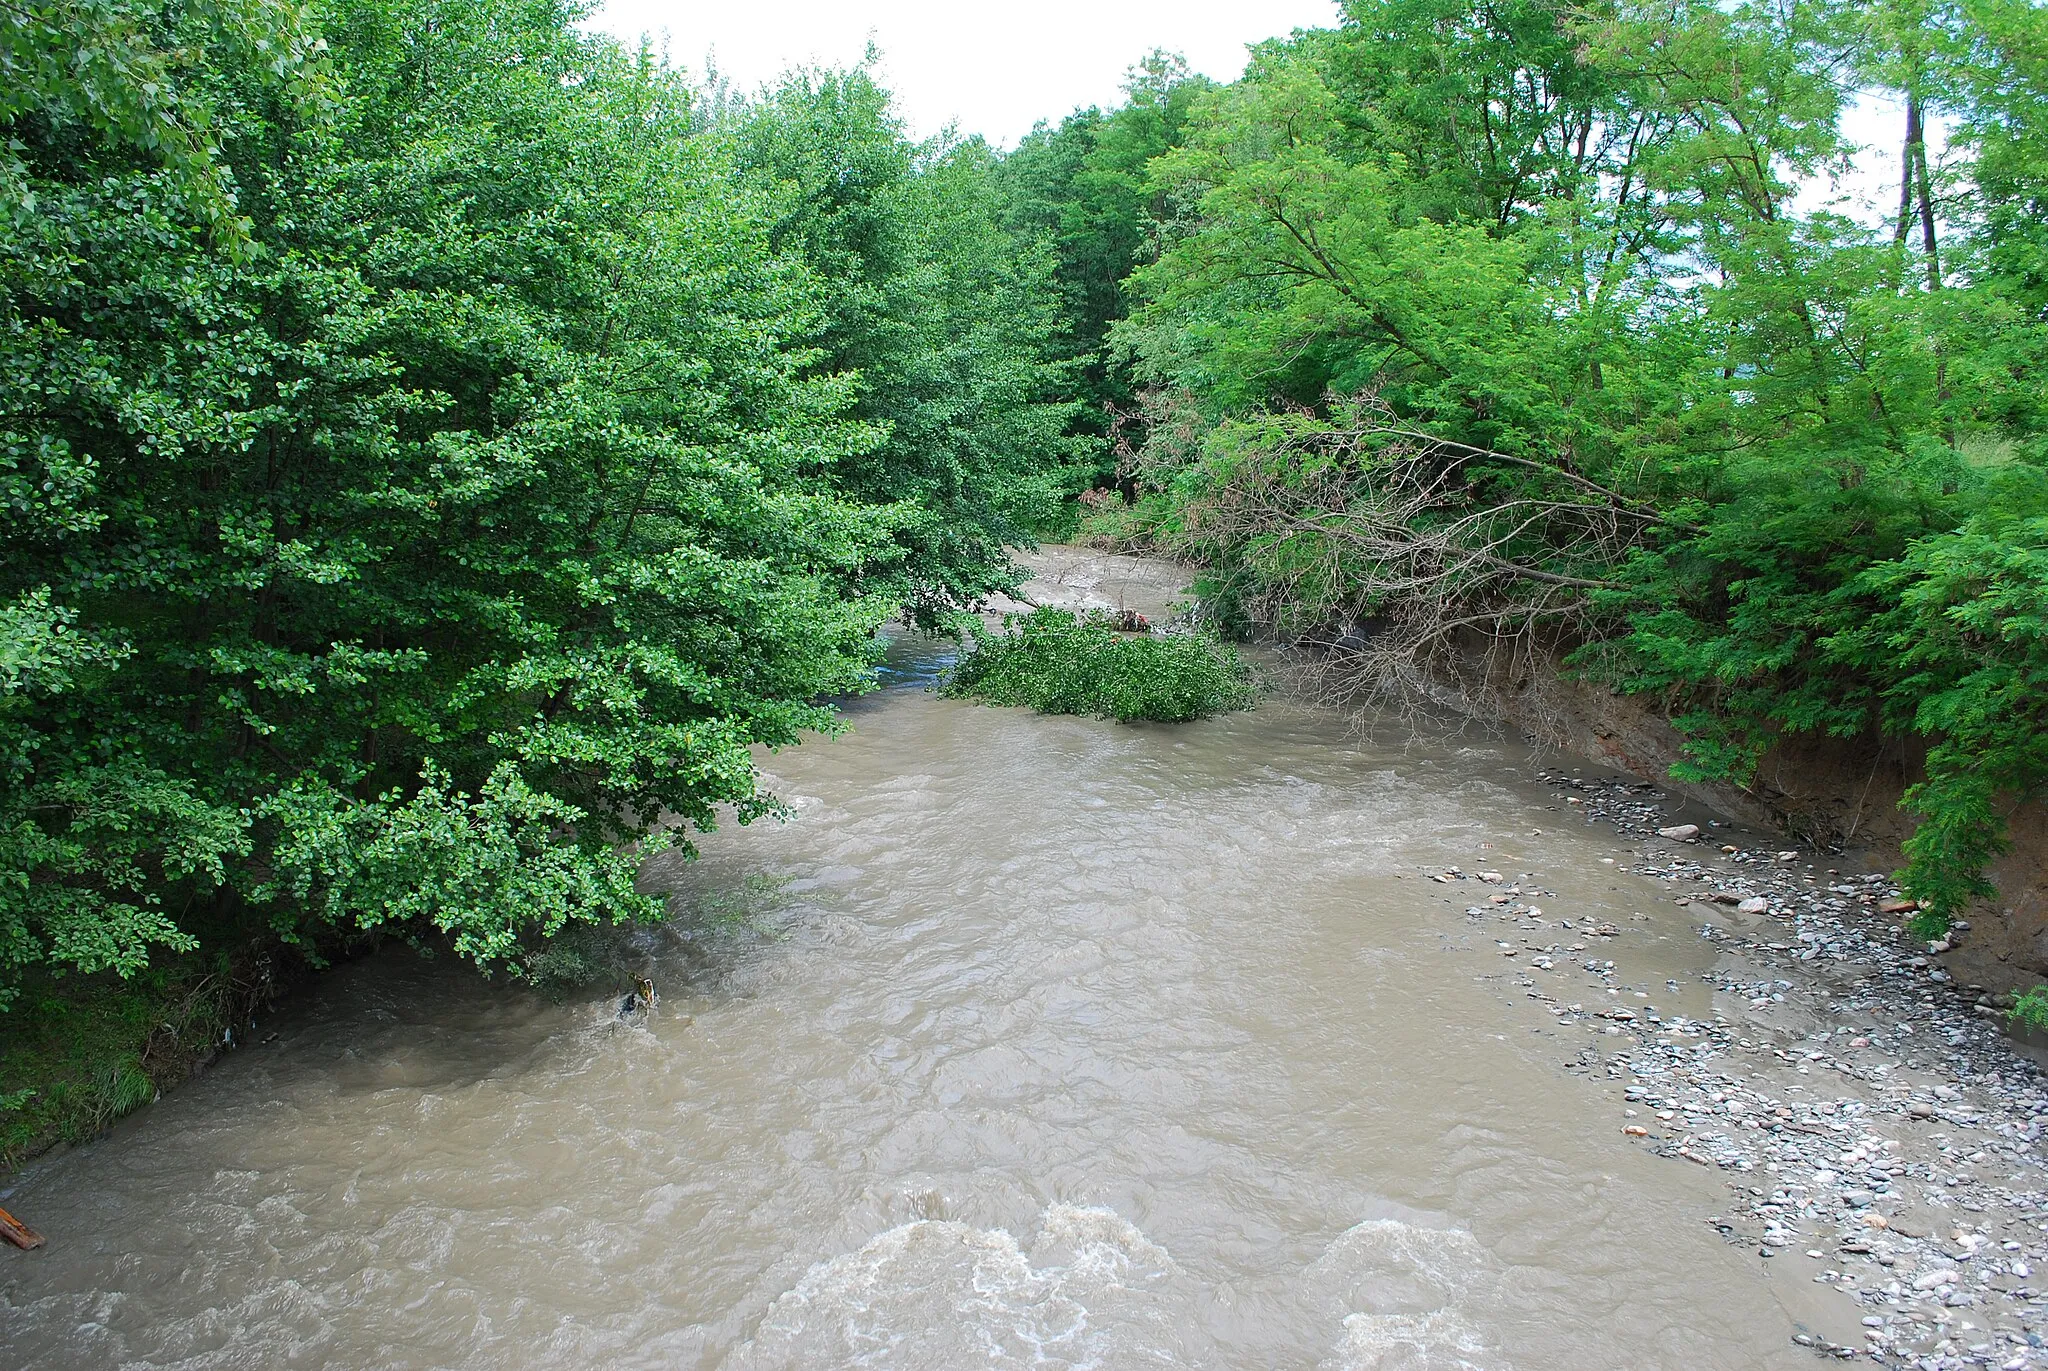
(1028, 1042)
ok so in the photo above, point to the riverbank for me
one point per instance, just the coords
(79, 1053)
(1838, 796)
(1247, 1043)
(1876, 1128)
(1876, 1123)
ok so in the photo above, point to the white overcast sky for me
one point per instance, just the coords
(993, 69)
(998, 69)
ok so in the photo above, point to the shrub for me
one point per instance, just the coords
(1059, 662)
(2031, 1008)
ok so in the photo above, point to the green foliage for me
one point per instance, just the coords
(1961, 656)
(78, 1052)
(1058, 662)
(940, 322)
(145, 78)
(1083, 188)
(2030, 1008)
(491, 871)
(1137, 527)
(752, 906)
(571, 962)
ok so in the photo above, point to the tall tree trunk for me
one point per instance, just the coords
(1927, 238)
(1914, 183)
(1905, 225)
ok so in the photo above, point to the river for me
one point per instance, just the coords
(1026, 1042)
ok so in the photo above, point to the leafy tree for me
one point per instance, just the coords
(1084, 187)
(1961, 648)
(939, 322)
(142, 77)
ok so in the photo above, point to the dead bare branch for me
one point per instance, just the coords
(1395, 554)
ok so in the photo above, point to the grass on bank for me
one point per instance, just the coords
(1058, 662)
(78, 1052)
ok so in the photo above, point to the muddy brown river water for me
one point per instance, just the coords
(1027, 1042)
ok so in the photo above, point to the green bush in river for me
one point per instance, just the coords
(1058, 662)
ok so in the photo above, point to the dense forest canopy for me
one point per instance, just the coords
(1084, 188)
(440, 444)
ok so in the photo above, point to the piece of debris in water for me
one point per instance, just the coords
(19, 1233)
(640, 998)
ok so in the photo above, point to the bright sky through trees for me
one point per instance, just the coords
(995, 69)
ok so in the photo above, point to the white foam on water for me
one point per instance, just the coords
(941, 1294)
(1413, 1290)
(1400, 1342)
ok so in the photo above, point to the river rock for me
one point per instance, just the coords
(1755, 904)
(1680, 832)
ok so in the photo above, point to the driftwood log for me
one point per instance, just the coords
(19, 1233)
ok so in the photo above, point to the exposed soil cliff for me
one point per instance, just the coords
(1838, 794)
